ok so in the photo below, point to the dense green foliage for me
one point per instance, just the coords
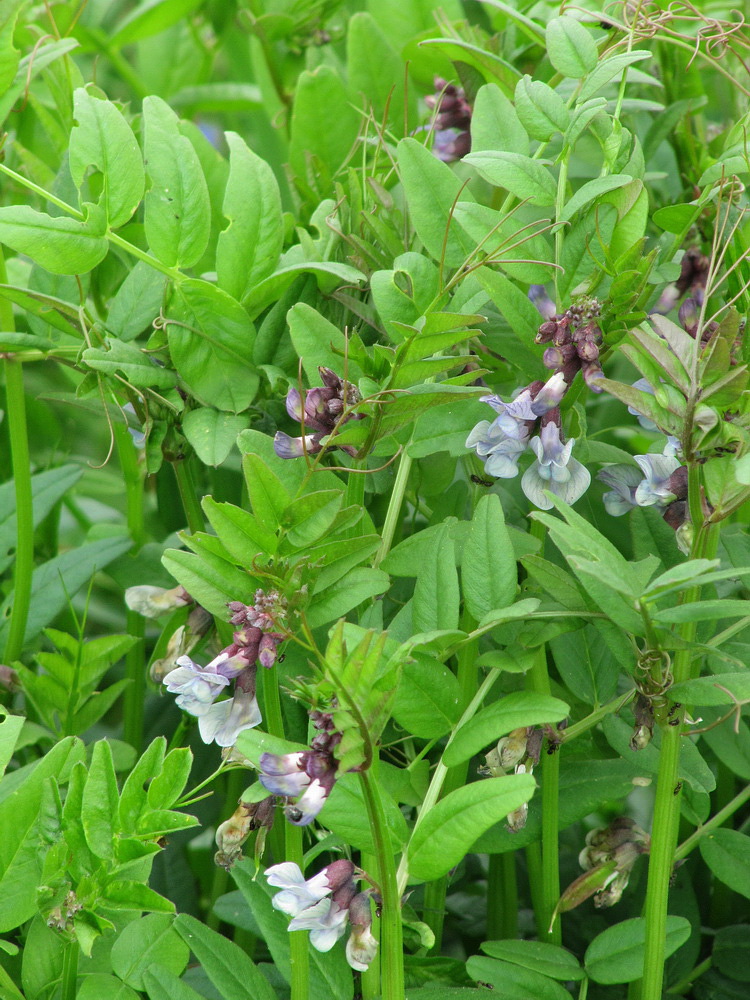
(375, 382)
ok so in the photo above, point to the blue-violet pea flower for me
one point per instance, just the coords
(196, 687)
(500, 452)
(225, 720)
(655, 489)
(555, 470)
(311, 774)
(284, 774)
(623, 480)
(544, 304)
(323, 905)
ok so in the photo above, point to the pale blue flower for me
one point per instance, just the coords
(297, 892)
(304, 811)
(623, 479)
(554, 470)
(511, 417)
(284, 774)
(326, 922)
(654, 489)
(224, 721)
(197, 688)
(550, 395)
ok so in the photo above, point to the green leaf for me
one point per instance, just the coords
(515, 981)
(137, 302)
(521, 708)
(249, 248)
(59, 244)
(702, 611)
(616, 955)
(450, 828)
(523, 177)
(168, 785)
(549, 959)
(103, 139)
(375, 70)
(428, 697)
(139, 368)
(436, 597)
(488, 566)
(607, 70)
(210, 342)
(541, 110)
(134, 791)
(590, 191)
(100, 802)
(10, 727)
(240, 532)
(345, 814)
(212, 433)
(708, 690)
(47, 488)
(570, 47)
(321, 88)
(146, 942)
(269, 497)
(56, 581)
(130, 895)
(161, 984)
(150, 18)
(318, 342)
(431, 189)
(309, 517)
(177, 206)
(329, 275)
(210, 580)
(495, 124)
(727, 854)
(96, 985)
(226, 965)
(354, 588)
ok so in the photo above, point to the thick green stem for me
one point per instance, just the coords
(687, 981)
(21, 463)
(394, 509)
(550, 874)
(190, 502)
(595, 717)
(433, 911)
(135, 666)
(502, 897)
(70, 971)
(667, 806)
(534, 870)
(391, 944)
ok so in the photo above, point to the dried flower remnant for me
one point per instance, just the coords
(153, 602)
(318, 410)
(452, 136)
(519, 750)
(323, 905)
(233, 832)
(607, 859)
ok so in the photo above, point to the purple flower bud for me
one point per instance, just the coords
(284, 774)
(267, 650)
(592, 372)
(550, 395)
(587, 350)
(330, 378)
(545, 305)
(289, 447)
(294, 405)
(546, 332)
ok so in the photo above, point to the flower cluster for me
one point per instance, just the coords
(520, 751)
(501, 443)
(310, 774)
(452, 138)
(659, 481)
(574, 338)
(197, 688)
(318, 410)
(323, 905)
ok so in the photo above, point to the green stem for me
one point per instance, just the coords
(298, 940)
(716, 821)
(502, 897)
(687, 981)
(562, 183)
(394, 509)
(21, 464)
(534, 870)
(190, 502)
(433, 911)
(135, 666)
(550, 887)
(391, 944)
(596, 716)
(667, 806)
(70, 971)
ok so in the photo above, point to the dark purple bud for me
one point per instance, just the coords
(688, 316)
(587, 350)
(675, 514)
(330, 378)
(338, 873)
(267, 651)
(359, 910)
(678, 483)
(553, 358)
(546, 332)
